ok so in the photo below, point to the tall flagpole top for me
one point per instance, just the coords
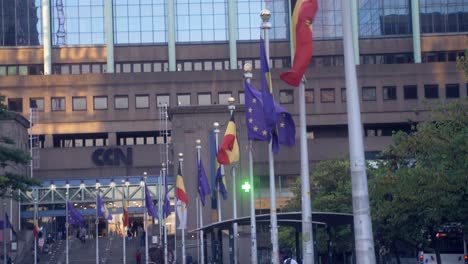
(198, 142)
(247, 68)
(163, 165)
(265, 14)
(232, 104)
(216, 127)
(181, 156)
(231, 100)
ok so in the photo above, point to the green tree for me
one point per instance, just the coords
(462, 63)
(10, 157)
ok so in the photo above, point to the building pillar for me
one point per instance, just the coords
(49, 141)
(232, 34)
(109, 27)
(416, 30)
(112, 138)
(355, 26)
(46, 37)
(171, 35)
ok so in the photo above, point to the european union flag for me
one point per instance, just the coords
(203, 185)
(149, 203)
(74, 216)
(220, 182)
(267, 90)
(167, 204)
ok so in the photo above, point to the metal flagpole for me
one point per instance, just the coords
(231, 108)
(164, 227)
(124, 228)
(145, 219)
(67, 225)
(202, 253)
(362, 222)
(97, 223)
(36, 221)
(198, 226)
(160, 202)
(181, 160)
(266, 25)
(166, 142)
(19, 210)
(4, 232)
(253, 224)
(216, 131)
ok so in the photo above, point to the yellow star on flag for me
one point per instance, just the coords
(250, 120)
(281, 124)
(255, 128)
(250, 109)
(264, 132)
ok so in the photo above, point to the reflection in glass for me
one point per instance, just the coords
(440, 16)
(20, 23)
(380, 18)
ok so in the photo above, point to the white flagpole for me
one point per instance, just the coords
(231, 108)
(181, 160)
(160, 203)
(67, 225)
(198, 226)
(266, 25)
(164, 221)
(202, 255)
(97, 223)
(4, 232)
(124, 228)
(36, 221)
(253, 224)
(362, 221)
(216, 131)
(145, 220)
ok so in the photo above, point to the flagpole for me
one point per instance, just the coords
(167, 172)
(160, 197)
(97, 222)
(231, 108)
(124, 228)
(67, 225)
(361, 211)
(181, 160)
(253, 224)
(164, 227)
(35, 222)
(4, 232)
(145, 219)
(216, 131)
(202, 255)
(198, 226)
(266, 25)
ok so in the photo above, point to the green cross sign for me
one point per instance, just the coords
(246, 187)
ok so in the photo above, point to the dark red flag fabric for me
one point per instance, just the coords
(303, 49)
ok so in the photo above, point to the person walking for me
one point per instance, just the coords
(288, 257)
(138, 256)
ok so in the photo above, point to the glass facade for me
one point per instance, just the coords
(383, 18)
(441, 16)
(249, 21)
(140, 21)
(201, 20)
(327, 24)
(77, 22)
(20, 23)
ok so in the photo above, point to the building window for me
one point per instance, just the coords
(79, 103)
(410, 92)
(343, 95)
(241, 98)
(223, 98)
(383, 18)
(15, 104)
(431, 91)
(286, 96)
(309, 96)
(183, 99)
(162, 100)
(204, 99)
(452, 90)
(21, 23)
(100, 102)
(37, 103)
(121, 102)
(369, 94)
(327, 95)
(57, 104)
(142, 101)
(441, 16)
(389, 93)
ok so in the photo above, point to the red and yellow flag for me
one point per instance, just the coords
(125, 212)
(181, 195)
(229, 150)
(36, 229)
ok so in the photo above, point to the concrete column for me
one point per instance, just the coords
(109, 27)
(416, 30)
(112, 138)
(232, 34)
(171, 35)
(49, 141)
(46, 37)
(355, 25)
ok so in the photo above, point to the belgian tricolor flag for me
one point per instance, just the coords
(36, 229)
(181, 195)
(229, 150)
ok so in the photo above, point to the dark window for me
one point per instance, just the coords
(100, 102)
(79, 103)
(309, 96)
(142, 101)
(286, 97)
(37, 103)
(410, 92)
(121, 102)
(57, 104)
(369, 94)
(327, 95)
(389, 93)
(343, 95)
(80, 140)
(15, 104)
(452, 90)
(431, 91)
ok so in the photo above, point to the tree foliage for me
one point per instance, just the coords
(462, 63)
(11, 159)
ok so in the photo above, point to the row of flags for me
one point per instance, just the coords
(7, 224)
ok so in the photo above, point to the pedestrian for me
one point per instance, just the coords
(83, 235)
(142, 239)
(40, 242)
(138, 256)
(288, 257)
